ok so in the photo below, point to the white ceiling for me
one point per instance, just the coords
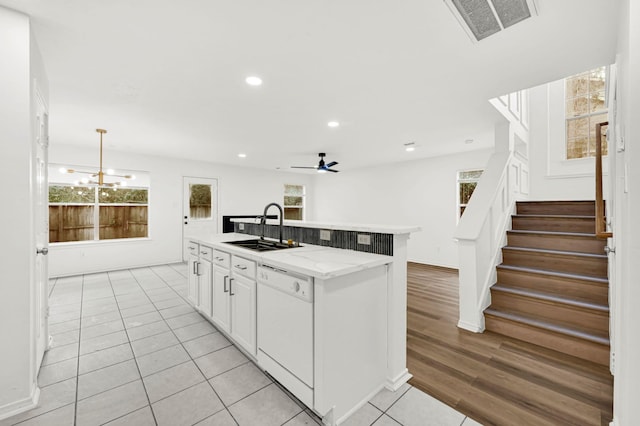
(166, 77)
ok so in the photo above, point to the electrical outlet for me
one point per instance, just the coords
(364, 239)
(325, 234)
(241, 226)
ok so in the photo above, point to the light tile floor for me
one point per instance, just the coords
(129, 350)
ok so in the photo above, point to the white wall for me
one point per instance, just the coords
(552, 176)
(240, 191)
(17, 357)
(626, 300)
(420, 192)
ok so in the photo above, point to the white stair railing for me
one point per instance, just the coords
(481, 232)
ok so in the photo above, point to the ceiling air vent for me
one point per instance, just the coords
(482, 18)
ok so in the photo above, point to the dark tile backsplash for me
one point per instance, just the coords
(380, 243)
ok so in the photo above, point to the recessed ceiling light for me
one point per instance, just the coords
(242, 155)
(410, 147)
(253, 81)
(333, 124)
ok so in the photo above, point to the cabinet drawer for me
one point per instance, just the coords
(193, 248)
(243, 266)
(206, 253)
(221, 258)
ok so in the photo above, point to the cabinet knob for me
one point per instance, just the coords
(43, 251)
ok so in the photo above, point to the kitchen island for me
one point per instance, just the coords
(315, 318)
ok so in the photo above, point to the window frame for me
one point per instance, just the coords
(588, 115)
(460, 181)
(303, 196)
(96, 204)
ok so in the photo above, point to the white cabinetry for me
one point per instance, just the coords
(199, 292)
(234, 298)
(221, 315)
(243, 312)
(205, 275)
(192, 290)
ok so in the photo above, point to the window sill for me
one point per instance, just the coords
(575, 168)
(99, 242)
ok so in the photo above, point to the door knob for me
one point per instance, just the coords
(43, 251)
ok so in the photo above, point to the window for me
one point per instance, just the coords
(585, 105)
(80, 212)
(467, 182)
(199, 201)
(294, 202)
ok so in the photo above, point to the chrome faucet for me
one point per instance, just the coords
(263, 219)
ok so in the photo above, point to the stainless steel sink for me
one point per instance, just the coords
(260, 245)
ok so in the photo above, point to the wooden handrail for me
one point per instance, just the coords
(601, 222)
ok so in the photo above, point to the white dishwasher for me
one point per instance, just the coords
(285, 329)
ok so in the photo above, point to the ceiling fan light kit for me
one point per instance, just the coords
(322, 167)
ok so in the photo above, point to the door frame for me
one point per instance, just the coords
(185, 218)
(40, 285)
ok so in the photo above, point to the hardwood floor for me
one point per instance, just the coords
(494, 379)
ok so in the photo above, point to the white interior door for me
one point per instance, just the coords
(41, 230)
(200, 209)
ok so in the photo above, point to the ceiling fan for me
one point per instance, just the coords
(321, 167)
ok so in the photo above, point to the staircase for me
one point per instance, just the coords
(552, 287)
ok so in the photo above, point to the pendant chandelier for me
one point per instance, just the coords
(98, 178)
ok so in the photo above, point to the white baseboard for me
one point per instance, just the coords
(395, 383)
(124, 268)
(17, 407)
(474, 328)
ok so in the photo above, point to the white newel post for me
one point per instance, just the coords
(470, 317)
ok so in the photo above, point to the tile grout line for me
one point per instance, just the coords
(106, 366)
(60, 381)
(75, 405)
(287, 393)
(55, 281)
(135, 360)
(394, 403)
(193, 360)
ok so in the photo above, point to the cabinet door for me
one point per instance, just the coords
(204, 287)
(243, 312)
(221, 313)
(192, 289)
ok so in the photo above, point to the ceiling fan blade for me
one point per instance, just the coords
(331, 170)
(331, 164)
(304, 167)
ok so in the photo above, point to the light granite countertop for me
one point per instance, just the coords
(316, 261)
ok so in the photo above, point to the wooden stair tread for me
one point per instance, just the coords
(556, 327)
(554, 233)
(554, 216)
(556, 202)
(550, 297)
(559, 252)
(595, 280)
